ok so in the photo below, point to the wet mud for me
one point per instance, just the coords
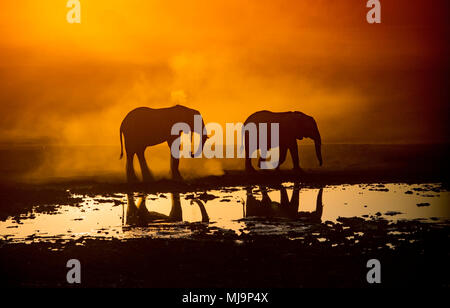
(269, 234)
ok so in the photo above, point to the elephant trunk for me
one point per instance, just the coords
(318, 145)
(203, 137)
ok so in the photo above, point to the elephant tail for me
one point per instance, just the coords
(121, 143)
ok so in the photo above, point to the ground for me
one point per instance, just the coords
(330, 254)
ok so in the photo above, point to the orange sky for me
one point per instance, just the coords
(74, 83)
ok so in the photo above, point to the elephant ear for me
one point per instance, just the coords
(299, 125)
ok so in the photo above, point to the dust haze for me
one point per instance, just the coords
(70, 86)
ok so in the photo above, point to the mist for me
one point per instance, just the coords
(72, 86)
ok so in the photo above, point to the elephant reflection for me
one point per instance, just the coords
(285, 208)
(137, 214)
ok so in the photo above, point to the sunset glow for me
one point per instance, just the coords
(73, 83)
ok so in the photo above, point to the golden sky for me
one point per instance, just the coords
(73, 83)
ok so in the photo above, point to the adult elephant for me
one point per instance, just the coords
(143, 127)
(293, 126)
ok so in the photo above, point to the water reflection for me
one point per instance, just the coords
(137, 213)
(234, 209)
(286, 208)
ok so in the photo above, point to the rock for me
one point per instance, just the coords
(423, 204)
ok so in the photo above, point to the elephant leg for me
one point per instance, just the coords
(248, 159)
(283, 153)
(293, 148)
(266, 201)
(284, 199)
(248, 165)
(146, 174)
(176, 213)
(131, 175)
(174, 163)
(295, 200)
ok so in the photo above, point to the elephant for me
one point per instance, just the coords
(283, 209)
(143, 127)
(293, 126)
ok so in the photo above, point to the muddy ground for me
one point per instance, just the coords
(412, 253)
(420, 258)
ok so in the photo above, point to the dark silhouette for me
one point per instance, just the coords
(143, 127)
(283, 209)
(137, 214)
(292, 126)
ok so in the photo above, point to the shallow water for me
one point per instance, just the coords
(255, 210)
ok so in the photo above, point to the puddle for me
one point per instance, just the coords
(253, 210)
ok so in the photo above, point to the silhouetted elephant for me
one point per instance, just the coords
(143, 127)
(137, 213)
(292, 126)
(285, 208)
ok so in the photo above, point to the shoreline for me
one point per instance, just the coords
(310, 178)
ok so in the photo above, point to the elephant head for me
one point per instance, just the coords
(194, 119)
(306, 126)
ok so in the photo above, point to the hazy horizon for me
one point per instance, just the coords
(363, 83)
